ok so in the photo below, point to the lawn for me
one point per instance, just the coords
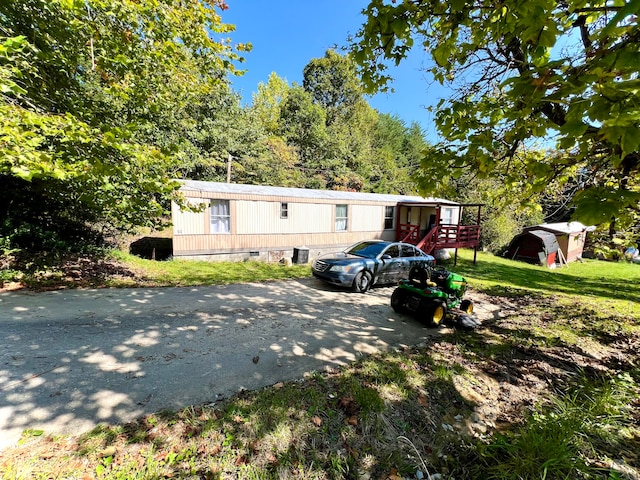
(617, 281)
(547, 390)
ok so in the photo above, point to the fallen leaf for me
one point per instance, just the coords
(317, 421)
(107, 452)
(353, 420)
(278, 385)
(349, 406)
(393, 475)
(422, 400)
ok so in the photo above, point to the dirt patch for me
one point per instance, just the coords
(516, 362)
(70, 272)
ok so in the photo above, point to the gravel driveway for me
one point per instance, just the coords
(71, 359)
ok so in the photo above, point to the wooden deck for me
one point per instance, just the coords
(442, 236)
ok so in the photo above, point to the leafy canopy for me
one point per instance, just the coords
(535, 75)
(91, 93)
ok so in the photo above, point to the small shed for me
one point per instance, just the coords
(569, 235)
(534, 246)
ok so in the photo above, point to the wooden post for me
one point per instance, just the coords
(562, 258)
(475, 248)
(455, 258)
(436, 235)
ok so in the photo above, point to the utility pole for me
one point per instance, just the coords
(93, 59)
(229, 168)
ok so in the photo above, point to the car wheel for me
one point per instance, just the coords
(398, 300)
(467, 307)
(362, 282)
(435, 313)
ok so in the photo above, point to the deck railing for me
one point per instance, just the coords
(442, 236)
(409, 233)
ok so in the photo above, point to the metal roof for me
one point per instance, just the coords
(240, 189)
(565, 227)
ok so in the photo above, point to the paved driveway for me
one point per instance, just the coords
(72, 359)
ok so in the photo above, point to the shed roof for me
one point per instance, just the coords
(548, 239)
(240, 189)
(563, 227)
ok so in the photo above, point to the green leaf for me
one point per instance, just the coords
(442, 54)
(574, 129)
(457, 5)
(7, 86)
(22, 172)
(399, 27)
(630, 141)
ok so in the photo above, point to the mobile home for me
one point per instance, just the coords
(270, 223)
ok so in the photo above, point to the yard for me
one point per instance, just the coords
(549, 389)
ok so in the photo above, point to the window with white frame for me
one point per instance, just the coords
(220, 216)
(284, 210)
(389, 213)
(447, 216)
(341, 218)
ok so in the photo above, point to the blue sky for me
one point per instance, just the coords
(287, 34)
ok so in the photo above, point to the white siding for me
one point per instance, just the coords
(364, 218)
(264, 218)
(189, 223)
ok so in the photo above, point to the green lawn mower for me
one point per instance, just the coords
(434, 295)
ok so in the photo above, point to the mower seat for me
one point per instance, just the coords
(419, 277)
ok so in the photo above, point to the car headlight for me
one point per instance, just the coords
(341, 268)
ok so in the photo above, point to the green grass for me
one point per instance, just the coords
(557, 439)
(592, 280)
(559, 372)
(188, 273)
(117, 269)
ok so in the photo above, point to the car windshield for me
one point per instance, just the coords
(367, 249)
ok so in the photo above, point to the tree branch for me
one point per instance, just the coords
(581, 23)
